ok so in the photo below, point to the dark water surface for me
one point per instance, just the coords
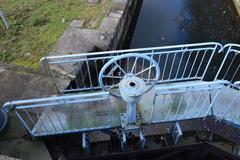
(170, 22)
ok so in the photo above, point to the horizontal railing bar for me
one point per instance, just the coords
(67, 91)
(233, 50)
(189, 85)
(134, 50)
(49, 99)
(231, 45)
(98, 87)
(187, 89)
(60, 103)
(83, 58)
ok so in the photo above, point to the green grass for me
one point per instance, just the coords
(37, 24)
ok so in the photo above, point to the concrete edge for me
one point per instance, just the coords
(109, 36)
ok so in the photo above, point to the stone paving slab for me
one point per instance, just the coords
(119, 5)
(77, 23)
(21, 85)
(81, 40)
(109, 24)
(7, 158)
(25, 149)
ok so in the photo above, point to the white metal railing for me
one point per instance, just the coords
(56, 115)
(181, 93)
(196, 100)
(177, 63)
(230, 63)
(96, 111)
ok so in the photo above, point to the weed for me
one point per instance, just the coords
(38, 20)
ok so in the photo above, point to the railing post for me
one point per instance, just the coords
(220, 68)
(210, 60)
(51, 73)
(4, 18)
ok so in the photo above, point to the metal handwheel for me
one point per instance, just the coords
(139, 77)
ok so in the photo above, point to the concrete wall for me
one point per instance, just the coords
(121, 29)
(110, 36)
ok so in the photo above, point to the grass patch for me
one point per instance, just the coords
(36, 26)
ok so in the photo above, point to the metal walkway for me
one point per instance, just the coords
(88, 112)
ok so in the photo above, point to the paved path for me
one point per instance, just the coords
(16, 85)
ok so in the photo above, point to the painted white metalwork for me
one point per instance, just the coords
(230, 64)
(132, 84)
(180, 93)
(85, 143)
(177, 63)
(176, 133)
(56, 115)
(151, 77)
(220, 99)
(172, 102)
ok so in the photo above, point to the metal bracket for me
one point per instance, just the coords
(236, 150)
(85, 143)
(126, 125)
(125, 134)
(123, 141)
(142, 140)
(176, 133)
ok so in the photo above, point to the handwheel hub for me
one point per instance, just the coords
(131, 88)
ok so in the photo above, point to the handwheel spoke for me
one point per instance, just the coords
(120, 68)
(144, 70)
(115, 77)
(116, 85)
(134, 65)
(112, 70)
(149, 73)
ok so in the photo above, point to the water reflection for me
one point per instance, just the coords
(169, 22)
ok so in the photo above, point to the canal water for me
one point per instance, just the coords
(172, 22)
